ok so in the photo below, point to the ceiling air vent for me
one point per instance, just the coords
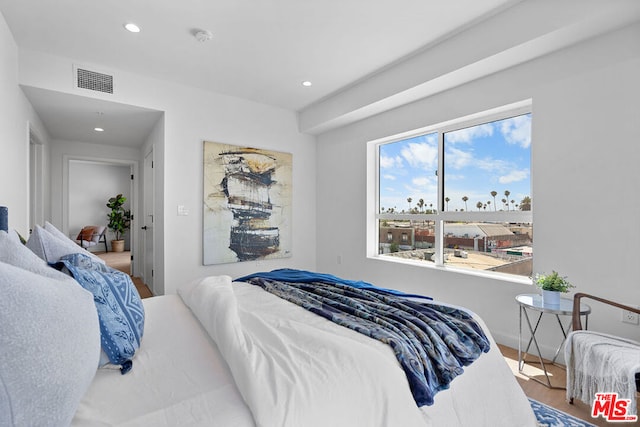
(99, 82)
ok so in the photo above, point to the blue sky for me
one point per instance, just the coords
(489, 157)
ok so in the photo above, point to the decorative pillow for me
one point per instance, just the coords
(51, 247)
(15, 253)
(54, 230)
(86, 233)
(50, 341)
(119, 306)
(60, 235)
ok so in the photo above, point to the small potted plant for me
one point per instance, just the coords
(119, 221)
(552, 285)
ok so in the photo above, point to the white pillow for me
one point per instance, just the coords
(15, 253)
(60, 235)
(53, 230)
(50, 341)
(51, 248)
(14, 235)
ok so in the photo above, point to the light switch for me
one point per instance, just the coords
(182, 210)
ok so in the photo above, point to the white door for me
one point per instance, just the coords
(147, 221)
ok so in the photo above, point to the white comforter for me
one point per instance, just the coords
(294, 368)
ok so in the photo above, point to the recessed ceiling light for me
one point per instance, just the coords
(306, 83)
(132, 27)
(98, 129)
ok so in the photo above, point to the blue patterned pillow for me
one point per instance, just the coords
(118, 303)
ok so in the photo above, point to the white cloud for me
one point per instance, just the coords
(421, 155)
(514, 176)
(491, 165)
(387, 162)
(458, 159)
(470, 133)
(517, 130)
(389, 177)
(420, 182)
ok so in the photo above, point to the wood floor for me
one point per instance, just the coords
(122, 261)
(552, 397)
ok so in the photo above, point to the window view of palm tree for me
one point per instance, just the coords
(482, 207)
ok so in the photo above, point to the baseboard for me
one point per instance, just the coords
(512, 341)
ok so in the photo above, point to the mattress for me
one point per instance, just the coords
(181, 378)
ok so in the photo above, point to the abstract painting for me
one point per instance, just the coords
(247, 204)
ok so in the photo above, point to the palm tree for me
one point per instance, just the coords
(525, 204)
(494, 194)
(409, 200)
(504, 202)
(506, 195)
(464, 199)
(446, 201)
(479, 206)
(512, 202)
(421, 204)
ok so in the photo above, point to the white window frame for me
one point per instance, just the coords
(440, 217)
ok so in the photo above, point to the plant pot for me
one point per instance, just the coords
(117, 245)
(550, 298)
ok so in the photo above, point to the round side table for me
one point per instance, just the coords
(533, 302)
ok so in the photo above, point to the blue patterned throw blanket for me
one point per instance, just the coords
(118, 303)
(431, 342)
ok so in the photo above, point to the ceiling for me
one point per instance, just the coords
(263, 50)
(260, 50)
(70, 117)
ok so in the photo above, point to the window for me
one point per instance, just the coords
(463, 189)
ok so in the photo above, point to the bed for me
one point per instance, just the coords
(224, 353)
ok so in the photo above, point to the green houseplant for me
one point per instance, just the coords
(119, 221)
(552, 285)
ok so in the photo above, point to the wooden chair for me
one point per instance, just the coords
(92, 235)
(577, 324)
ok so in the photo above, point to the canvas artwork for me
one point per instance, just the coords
(247, 204)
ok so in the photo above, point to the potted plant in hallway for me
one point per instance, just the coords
(119, 221)
(552, 285)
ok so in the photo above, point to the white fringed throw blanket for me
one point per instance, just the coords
(601, 363)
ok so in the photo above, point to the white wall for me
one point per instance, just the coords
(15, 116)
(191, 116)
(585, 155)
(91, 185)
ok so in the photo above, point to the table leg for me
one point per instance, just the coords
(521, 359)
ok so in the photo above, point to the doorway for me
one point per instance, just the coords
(90, 183)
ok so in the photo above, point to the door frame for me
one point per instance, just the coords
(148, 198)
(134, 168)
(36, 178)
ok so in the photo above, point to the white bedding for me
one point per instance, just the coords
(295, 368)
(180, 377)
